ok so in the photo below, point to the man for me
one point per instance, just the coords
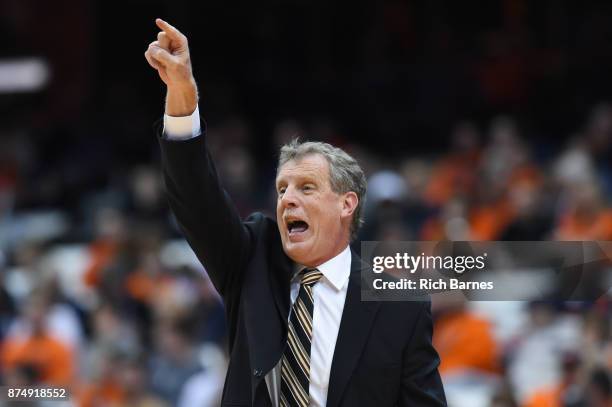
(299, 333)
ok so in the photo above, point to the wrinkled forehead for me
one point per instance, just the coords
(311, 165)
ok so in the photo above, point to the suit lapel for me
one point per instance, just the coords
(357, 319)
(280, 281)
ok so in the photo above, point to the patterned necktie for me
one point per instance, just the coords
(295, 365)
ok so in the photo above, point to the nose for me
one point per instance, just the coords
(289, 198)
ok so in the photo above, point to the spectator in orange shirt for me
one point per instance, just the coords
(464, 341)
(554, 396)
(49, 359)
(455, 174)
(106, 390)
(110, 232)
(122, 382)
(587, 218)
(450, 224)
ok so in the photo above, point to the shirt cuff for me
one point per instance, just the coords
(182, 127)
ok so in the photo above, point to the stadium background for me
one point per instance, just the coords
(473, 120)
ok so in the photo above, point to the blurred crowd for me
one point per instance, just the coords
(104, 296)
(100, 292)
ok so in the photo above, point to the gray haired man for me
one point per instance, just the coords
(299, 334)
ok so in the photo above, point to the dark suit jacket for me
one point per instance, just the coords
(383, 356)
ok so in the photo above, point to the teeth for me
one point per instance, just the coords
(296, 224)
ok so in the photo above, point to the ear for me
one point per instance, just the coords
(349, 203)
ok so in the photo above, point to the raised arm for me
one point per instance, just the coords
(169, 55)
(203, 209)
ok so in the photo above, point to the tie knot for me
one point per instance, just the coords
(310, 277)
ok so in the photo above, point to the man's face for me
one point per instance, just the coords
(313, 220)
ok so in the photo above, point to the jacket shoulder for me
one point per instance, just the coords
(259, 222)
(263, 230)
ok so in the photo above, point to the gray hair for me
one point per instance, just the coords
(345, 174)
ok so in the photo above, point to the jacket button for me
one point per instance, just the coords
(257, 372)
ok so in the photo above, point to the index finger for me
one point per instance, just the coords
(168, 29)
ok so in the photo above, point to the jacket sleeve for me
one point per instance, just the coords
(204, 211)
(421, 384)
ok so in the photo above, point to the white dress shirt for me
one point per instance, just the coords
(329, 296)
(182, 127)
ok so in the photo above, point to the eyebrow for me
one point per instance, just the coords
(302, 178)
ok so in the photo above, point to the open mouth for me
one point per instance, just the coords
(296, 226)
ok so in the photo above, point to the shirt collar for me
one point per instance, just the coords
(336, 270)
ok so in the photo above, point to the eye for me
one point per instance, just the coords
(281, 190)
(308, 187)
